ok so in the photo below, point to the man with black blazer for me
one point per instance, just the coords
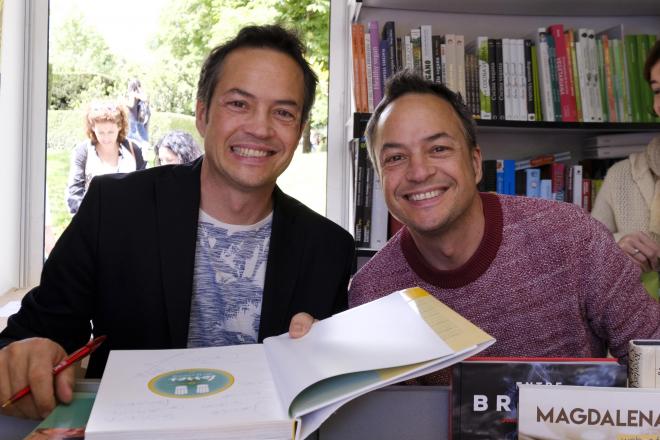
(228, 257)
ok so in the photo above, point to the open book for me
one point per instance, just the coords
(284, 387)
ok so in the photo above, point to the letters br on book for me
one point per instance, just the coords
(284, 388)
(485, 390)
(572, 412)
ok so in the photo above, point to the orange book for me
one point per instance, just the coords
(359, 68)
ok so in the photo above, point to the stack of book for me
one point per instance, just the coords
(556, 74)
(616, 145)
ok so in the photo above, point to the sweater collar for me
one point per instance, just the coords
(475, 266)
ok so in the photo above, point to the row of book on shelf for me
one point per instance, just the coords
(547, 176)
(557, 74)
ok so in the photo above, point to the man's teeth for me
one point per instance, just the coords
(423, 196)
(249, 152)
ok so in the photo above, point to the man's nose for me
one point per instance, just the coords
(260, 124)
(419, 169)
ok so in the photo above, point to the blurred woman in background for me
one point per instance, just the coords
(175, 148)
(107, 150)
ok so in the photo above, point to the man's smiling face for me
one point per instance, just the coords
(429, 174)
(253, 123)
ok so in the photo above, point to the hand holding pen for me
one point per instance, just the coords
(31, 361)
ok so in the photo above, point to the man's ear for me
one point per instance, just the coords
(475, 155)
(200, 118)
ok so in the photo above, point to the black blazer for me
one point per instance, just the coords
(125, 263)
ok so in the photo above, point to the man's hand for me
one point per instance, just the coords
(300, 324)
(644, 251)
(30, 362)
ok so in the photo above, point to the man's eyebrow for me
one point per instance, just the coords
(288, 102)
(431, 138)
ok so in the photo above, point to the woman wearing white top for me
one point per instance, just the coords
(629, 201)
(106, 151)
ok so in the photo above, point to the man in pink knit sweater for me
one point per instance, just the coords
(544, 278)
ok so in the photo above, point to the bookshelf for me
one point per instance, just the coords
(472, 18)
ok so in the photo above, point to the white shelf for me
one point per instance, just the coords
(590, 8)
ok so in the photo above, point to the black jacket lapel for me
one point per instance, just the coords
(284, 260)
(177, 207)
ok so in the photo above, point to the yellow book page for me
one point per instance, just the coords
(457, 332)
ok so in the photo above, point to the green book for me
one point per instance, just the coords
(652, 38)
(66, 421)
(537, 92)
(602, 84)
(632, 57)
(645, 94)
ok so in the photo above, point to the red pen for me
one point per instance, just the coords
(65, 363)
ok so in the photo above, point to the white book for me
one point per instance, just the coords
(379, 216)
(408, 51)
(283, 386)
(370, 83)
(576, 170)
(427, 51)
(545, 84)
(521, 78)
(584, 74)
(450, 54)
(460, 66)
(594, 85)
(509, 80)
(644, 363)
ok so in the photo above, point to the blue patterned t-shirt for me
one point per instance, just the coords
(228, 282)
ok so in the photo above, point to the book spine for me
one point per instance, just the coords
(460, 65)
(370, 73)
(645, 93)
(427, 51)
(389, 35)
(507, 79)
(602, 83)
(436, 41)
(359, 68)
(643, 365)
(385, 73)
(416, 41)
(558, 172)
(500, 78)
(573, 70)
(568, 112)
(538, 110)
(408, 49)
(368, 197)
(609, 78)
(545, 77)
(576, 172)
(596, 103)
(484, 78)
(554, 78)
(377, 80)
(492, 79)
(634, 85)
(529, 81)
(533, 182)
(586, 194)
(584, 79)
(379, 214)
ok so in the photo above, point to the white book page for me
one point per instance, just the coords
(126, 403)
(384, 333)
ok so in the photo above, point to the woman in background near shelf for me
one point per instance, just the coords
(629, 201)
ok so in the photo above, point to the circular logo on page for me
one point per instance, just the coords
(187, 384)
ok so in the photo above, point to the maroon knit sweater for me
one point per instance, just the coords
(546, 281)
